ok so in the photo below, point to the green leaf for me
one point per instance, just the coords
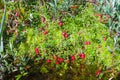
(51, 4)
(2, 28)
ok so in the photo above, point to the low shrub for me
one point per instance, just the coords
(71, 47)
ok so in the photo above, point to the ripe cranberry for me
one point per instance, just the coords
(43, 19)
(98, 72)
(63, 33)
(45, 32)
(87, 43)
(105, 38)
(60, 59)
(56, 62)
(72, 57)
(16, 14)
(66, 35)
(48, 61)
(82, 56)
(37, 51)
(60, 23)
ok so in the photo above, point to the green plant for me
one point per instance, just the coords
(37, 45)
(110, 8)
(71, 48)
(59, 8)
(110, 11)
(2, 29)
(2, 56)
(57, 5)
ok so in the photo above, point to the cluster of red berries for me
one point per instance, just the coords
(81, 55)
(60, 23)
(44, 31)
(43, 20)
(65, 34)
(60, 60)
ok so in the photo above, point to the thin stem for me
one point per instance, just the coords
(2, 28)
(43, 3)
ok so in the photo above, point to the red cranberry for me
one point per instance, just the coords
(16, 14)
(105, 38)
(87, 43)
(56, 62)
(37, 51)
(48, 61)
(72, 57)
(60, 60)
(63, 33)
(60, 23)
(43, 19)
(66, 35)
(82, 56)
(98, 72)
(45, 32)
